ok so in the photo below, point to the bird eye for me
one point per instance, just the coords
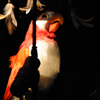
(44, 16)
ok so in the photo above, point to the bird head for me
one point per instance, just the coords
(49, 21)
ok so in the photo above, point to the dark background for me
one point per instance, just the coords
(79, 48)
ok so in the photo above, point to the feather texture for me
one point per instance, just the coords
(30, 5)
(11, 21)
(14, 21)
(39, 5)
(76, 20)
(9, 24)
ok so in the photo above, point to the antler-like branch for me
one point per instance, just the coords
(29, 6)
(39, 5)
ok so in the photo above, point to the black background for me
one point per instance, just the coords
(79, 48)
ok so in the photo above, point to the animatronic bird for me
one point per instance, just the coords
(47, 48)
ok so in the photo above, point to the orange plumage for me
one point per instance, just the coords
(17, 62)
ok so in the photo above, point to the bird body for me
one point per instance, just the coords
(48, 54)
(50, 63)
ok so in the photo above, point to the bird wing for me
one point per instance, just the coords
(17, 62)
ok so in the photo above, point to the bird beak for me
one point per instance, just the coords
(54, 22)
